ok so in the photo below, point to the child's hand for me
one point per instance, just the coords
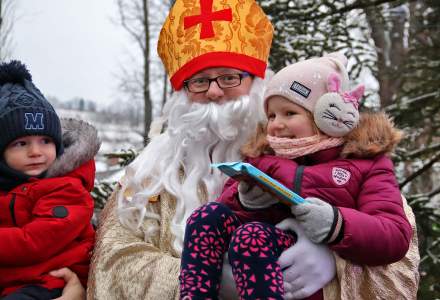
(321, 221)
(253, 197)
(73, 289)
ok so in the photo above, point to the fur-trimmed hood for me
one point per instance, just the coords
(374, 135)
(81, 144)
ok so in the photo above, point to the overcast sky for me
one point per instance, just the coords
(72, 47)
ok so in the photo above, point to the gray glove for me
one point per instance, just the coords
(307, 267)
(253, 197)
(321, 221)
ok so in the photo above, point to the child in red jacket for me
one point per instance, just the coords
(353, 200)
(46, 175)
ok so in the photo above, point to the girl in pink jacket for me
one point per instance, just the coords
(316, 144)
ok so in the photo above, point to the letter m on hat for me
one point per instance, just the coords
(34, 121)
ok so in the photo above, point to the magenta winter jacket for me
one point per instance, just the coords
(376, 230)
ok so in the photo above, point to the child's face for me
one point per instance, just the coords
(287, 119)
(31, 155)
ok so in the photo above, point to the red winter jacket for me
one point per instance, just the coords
(45, 223)
(376, 230)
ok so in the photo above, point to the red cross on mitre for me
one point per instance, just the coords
(206, 17)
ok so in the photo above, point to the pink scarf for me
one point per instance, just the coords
(293, 148)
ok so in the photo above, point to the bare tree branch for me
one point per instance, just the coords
(434, 257)
(126, 19)
(7, 19)
(311, 14)
(420, 171)
(146, 87)
(421, 98)
(434, 192)
(134, 18)
(421, 152)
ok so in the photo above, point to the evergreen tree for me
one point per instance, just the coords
(103, 189)
(417, 110)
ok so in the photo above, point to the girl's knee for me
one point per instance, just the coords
(210, 213)
(251, 239)
(251, 229)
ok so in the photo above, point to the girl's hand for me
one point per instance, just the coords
(73, 289)
(321, 221)
(253, 197)
(307, 267)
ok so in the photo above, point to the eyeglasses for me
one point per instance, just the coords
(202, 84)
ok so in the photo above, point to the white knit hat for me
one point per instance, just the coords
(320, 85)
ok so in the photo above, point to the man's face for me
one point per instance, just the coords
(215, 93)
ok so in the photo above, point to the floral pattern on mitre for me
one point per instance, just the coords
(249, 33)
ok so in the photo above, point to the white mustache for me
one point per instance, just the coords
(223, 120)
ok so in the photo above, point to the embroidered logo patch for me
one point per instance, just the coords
(340, 176)
(34, 121)
(300, 89)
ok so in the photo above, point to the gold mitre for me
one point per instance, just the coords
(200, 34)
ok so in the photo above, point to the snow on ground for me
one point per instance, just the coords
(114, 138)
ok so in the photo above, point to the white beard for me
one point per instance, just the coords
(198, 134)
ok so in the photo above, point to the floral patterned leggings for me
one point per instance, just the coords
(253, 250)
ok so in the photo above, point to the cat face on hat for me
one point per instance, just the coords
(336, 112)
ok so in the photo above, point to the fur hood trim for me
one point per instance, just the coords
(81, 144)
(374, 135)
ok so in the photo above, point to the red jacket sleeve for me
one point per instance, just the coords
(48, 233)
(377, 231)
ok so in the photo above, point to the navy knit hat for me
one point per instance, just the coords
(23, 108)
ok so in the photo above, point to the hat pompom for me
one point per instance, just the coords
(23, 108)
(14, 72)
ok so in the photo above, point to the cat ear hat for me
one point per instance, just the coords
(321, 86)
